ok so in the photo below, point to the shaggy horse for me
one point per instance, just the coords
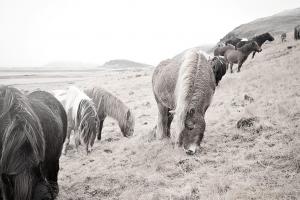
(259, 39)
(82, 117)
(32, 130)
(183, 87)
(219, 66)
(240, 55)
(283, 37)
(220, 51)
(109, 105)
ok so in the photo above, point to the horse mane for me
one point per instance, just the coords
(86, 113)
(23, 132)
(185, 86)
(79, 107)
(109, 105)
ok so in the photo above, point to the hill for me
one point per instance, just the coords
(276, 24)
(124, 64)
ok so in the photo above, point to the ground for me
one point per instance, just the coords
(258, 160)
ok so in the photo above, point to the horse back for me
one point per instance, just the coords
(53, 120)
(164, 81)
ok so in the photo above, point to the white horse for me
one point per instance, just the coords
(82, 117)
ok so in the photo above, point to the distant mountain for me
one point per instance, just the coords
(276, 24)
(124, 64)
(68, 64)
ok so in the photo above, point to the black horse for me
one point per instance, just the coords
(219, 65)
(260, 39)
(233, 41)
(32, 132)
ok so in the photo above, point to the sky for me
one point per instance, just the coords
(38, 32)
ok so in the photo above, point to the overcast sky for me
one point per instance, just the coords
(36, 32)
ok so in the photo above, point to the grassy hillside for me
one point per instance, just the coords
(276, 24)
(260, 160)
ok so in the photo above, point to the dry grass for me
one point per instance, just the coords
(259, 161)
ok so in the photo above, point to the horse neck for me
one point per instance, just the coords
(246, 49)
(260, 39)
(116, 109)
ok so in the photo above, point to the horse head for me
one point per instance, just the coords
(269, 37)
(128, 127)
(28, 185)
(192, 134)
(255, 47)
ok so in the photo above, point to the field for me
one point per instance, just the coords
(260, 160)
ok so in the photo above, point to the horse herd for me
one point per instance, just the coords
(35, 128)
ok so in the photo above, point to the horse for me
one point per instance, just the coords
(233, 41)
(219, 66)
(183, 89)
(260, 39)
(82, 117)
(109, 105)
(283, 37)
(219, 51)
(32, 132)
(240, 55)
(297, 33)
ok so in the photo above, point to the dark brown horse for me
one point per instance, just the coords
(32, 132)
(240, 55)
(219, 66)
(260, 39)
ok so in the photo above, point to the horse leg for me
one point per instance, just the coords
(253, 54)
(162, 123)
(231, 64)
(239, 66)
(170, 118)
(67, 142)
(77, 139)
(51, 176)
(100, 129)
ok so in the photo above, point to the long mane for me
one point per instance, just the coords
(109, 105)
(185, 86)
(23, 143)
(80, 109)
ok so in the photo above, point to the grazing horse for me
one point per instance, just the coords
(240, 55)
(32, 130)
(219, 66)
(260, 39)
(233, 41)
(183, 88)
(283, 37)
(82, 117)
(109, 105)
(297, 33)
(219, 51)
